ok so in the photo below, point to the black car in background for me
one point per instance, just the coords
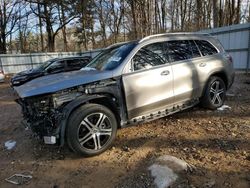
(51, 66)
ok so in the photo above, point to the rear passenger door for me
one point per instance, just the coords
(206, 62)
(149, 85)
(186, 80)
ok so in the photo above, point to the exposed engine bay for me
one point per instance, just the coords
(44, 114)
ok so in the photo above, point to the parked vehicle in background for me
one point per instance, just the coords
(133, 82)
(1, 76)
(51, 66)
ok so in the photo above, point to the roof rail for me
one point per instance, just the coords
(169, 34)
(115, 45)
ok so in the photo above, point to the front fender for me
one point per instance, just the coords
(69, 108)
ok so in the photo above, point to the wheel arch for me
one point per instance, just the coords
(104, 100)
(108, 102)
(221, 74)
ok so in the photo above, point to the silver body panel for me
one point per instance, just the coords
(148, 90)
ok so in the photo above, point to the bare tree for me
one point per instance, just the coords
(40, 25)
(49, 15)
(8, 19)
(85, 24)
(101, 22)
(62, 19)
(115, 17)
(23, 28)
(101, 7)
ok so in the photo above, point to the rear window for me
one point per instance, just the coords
(206, 48)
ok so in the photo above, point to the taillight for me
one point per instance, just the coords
(229, 58)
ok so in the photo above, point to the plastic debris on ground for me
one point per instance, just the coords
(10, 144)
(224, 107)
(166, 168)
(19, 179)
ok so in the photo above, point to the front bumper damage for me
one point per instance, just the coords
(52, 139)
(42, 117)
(47, 114)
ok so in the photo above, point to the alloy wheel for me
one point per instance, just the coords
(216, 93)
(94, 131)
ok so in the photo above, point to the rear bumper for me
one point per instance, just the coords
(1, 77)
(231, 80)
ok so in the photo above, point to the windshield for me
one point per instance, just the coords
(109, 59)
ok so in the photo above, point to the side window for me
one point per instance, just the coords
(205, 47)
(73, 64)
(178, 50)
(195, 50)
(56, 66)
(84, 61)
(149, 56)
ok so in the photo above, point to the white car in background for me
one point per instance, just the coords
(1, 76)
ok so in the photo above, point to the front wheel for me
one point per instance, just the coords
(215, 93)
(91, 129)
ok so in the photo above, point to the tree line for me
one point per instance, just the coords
(57, 25)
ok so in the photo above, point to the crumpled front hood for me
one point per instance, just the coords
(56, 82)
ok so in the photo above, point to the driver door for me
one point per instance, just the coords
(149, 86)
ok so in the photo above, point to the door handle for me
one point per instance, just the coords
(202, 64)
(165, 73)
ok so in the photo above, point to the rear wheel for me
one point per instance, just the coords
(91, 129)
(215, 93)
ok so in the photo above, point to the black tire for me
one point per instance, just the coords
(91, 129)
(214, 94)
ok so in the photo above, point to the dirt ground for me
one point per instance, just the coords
(217, 143)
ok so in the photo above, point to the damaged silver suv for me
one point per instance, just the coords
(127, 83)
